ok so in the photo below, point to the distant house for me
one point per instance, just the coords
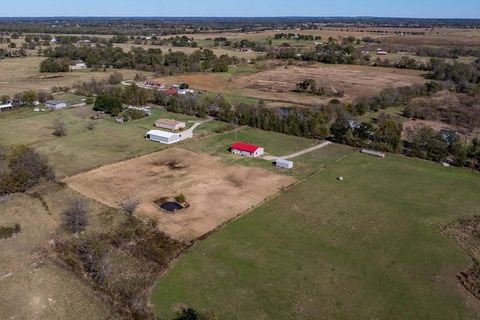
(170, 124)
(284, 164)
(170, 92)
(145, 110)
(6, 106)
(167, 137)
(78, 66)
(382, 53)
(185, 91)
(246, 150)
(55, 104)
(154, 84)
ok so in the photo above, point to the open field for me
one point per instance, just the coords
(277, 83)
(365, 248)
(18, 75)
(81, 149)
(31, 286)
(215, 191)
(188, 50)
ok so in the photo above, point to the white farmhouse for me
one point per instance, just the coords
(78, 66)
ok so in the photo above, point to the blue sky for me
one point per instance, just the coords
(396, 8)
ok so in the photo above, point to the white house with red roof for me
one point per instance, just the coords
(247, 150)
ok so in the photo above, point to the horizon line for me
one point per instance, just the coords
(239, 17)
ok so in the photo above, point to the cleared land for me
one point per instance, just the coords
(216, 192)
(365, 248)
(277, 83)
(20, 74)
(81, 149)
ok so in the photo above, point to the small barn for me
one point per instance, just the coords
(246, 150)
(283, 164)
(163, 136)
(170, 124)
(55, 104)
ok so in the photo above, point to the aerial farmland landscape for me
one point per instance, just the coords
(240, 160)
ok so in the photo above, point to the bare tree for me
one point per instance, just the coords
(129, 206)
(75, 216)
(59, 128)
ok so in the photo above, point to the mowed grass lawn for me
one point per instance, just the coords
(365, 248)
(276, 144)
(81, 149)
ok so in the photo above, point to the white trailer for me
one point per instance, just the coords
(283, 164)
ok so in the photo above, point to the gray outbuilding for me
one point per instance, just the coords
(55, 104)
(283, 164)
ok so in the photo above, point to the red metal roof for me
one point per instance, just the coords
(169, 92)
(240, 146)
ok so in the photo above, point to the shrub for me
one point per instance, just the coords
(181, 198)
(59, 128)
(75, 216)
(8, 232)
(129, 206)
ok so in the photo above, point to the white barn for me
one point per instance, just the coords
(284, 164)
(167, 137)
(55, 104)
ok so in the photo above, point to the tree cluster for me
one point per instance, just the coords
(25, 168)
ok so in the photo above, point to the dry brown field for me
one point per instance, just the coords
(276, 84)
(32, 286)
(216, 192)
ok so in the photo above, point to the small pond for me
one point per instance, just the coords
(171, 206)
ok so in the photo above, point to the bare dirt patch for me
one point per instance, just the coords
(216, 192)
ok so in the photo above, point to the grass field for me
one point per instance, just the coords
(17, 75)
(82, 149)
(365, 248)
(276, 144)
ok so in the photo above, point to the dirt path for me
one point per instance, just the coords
(297, 154)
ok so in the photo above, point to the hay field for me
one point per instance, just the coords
(216, 192)
(276, 84)
(18, 75)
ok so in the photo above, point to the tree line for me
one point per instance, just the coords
(138, 58)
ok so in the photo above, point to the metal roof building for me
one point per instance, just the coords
(163, 136)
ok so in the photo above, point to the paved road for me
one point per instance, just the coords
(297, 154)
